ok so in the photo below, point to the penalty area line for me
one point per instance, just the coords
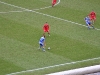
(53, 66)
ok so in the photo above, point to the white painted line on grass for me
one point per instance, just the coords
(57, 3)
(79, 71)
(53, 66)
(48, 6)
(10, 12)
(43, 8)
(46, 14)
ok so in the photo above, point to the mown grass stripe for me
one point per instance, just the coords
(53, 66)
(46, 15)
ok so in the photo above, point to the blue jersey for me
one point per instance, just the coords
(87, 20)
(41, 41)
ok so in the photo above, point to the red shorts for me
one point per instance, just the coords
(46, 30)
(93, 18)
(53, 3)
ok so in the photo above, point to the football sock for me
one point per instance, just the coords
(93, 27)
(88, 27)
(43, 49)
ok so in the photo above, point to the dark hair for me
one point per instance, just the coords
(44, 35)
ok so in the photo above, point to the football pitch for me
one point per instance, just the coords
(72, 44)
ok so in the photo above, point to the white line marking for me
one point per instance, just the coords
(53, 66)
(10, 12)
(42, 8)
(57, 3)
(48, 6)
(46, 14)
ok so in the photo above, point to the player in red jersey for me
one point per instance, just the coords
(53, 2)
(92, 16)
(46, 28)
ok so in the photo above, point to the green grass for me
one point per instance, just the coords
(21, 31)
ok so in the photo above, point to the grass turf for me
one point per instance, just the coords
(20, 33)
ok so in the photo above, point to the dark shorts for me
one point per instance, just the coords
(41, 44)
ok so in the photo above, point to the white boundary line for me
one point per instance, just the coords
(52, 66)
(46, 14)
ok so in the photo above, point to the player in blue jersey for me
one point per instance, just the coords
(88, 22)
(42, 43)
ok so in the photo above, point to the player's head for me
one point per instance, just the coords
(87, 16)
(44, 35)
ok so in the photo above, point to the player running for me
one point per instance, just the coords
(88, 22)
(42, 43)
(92, 16)
(46, 28)
(53, 2)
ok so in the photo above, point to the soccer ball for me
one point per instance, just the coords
(48, 48)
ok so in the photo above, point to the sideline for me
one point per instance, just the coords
(46, 14)
(79, 71)
(53, 66)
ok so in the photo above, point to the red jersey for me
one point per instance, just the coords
(46, 27)
(92, 14)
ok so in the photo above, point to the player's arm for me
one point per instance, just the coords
(95, 15)
(48, 26)
(52, 1)
(85, 19)
(43, 27)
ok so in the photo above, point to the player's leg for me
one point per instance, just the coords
(43, 47)
(44, 32)
(92, 21)
(91, 18)
(52, 4)
(88, 25)
(94, 18)
(48, 32)
(92, 26)
(40, 46)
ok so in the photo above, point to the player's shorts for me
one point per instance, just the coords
(41, 44)
(92, 18)
(88, 23)
(46, 30)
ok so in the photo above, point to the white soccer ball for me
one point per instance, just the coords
(48, 48)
